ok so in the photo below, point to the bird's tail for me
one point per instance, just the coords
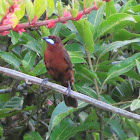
(70, 101)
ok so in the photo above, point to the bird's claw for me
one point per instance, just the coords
(68, 89)
(44, 81)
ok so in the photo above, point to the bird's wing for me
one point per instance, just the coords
(67, 60)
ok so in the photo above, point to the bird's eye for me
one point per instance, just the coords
(55, 40)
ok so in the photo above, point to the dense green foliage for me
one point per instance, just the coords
(104, 49)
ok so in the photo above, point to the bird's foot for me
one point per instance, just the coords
(44, 81)
(68, 89)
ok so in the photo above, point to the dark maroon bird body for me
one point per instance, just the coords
(59, 66)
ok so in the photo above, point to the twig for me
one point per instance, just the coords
(8, 90)
(62, 90)
(45, 22)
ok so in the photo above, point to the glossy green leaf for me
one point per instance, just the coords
(98, 17)
(76, 58)
(14, 103)
(85, 30)
(74, 12)
(14, 37)
(11, 59)
(135, 104)
(138, 65)
(32, 136)
(20, 13)
(66, 129)
(40, 7)
(45, 31)
(110, 8)
(49, 7)
(60, 112)
(88, 3)
(30, 58)
(60, 8)
(116, 127)
(123, 66)
(110, 23)
(34, 45)
(115, 45)
(128, 4)
(29, 9)
(39, 69)
(2, 8)
(133, 138)
(14, 20)
(124, 35)
(56, 29)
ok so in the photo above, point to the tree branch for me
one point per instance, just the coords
(37, 81)
(45, 22)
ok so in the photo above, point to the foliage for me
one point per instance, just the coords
(104, 48)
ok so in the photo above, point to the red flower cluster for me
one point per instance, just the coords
(51, 24)
(79, 16)
(8, 18)
(18, 29)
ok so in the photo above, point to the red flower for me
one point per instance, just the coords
(96, 8)
(4, 33)
(18, 29)
(66, 14)
(49, 102)
(7, 20)
(79, 16)
(14, 8)
(34, 20)
(51, 24)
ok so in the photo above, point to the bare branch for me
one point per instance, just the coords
(37, 81)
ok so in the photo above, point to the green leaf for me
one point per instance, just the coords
(20, 13)
(49, 7)
(133, 138)
(110, 8)
(116, 127)
(124, 35)
(60, 112)
(14, 103)
(10, 58)
(110, 23)
(56, 29)
(2, 8)
(1, 133)
(115, 45)
(39, 69)
(29, 9)
(86, 90)
(123, 66)
(34, 46)
(138, 65)
(88, 3)
(76, 58)
(60, 9)
(85, 30)
(128, 4)
(96, 17)
(40, 7)
(45, 31)
(30, 58)
(32, 136)
(14, 37)
(135, 104)
(66, 129)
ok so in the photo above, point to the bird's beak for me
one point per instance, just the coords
(48, 40)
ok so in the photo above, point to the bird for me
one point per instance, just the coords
(59, 66)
